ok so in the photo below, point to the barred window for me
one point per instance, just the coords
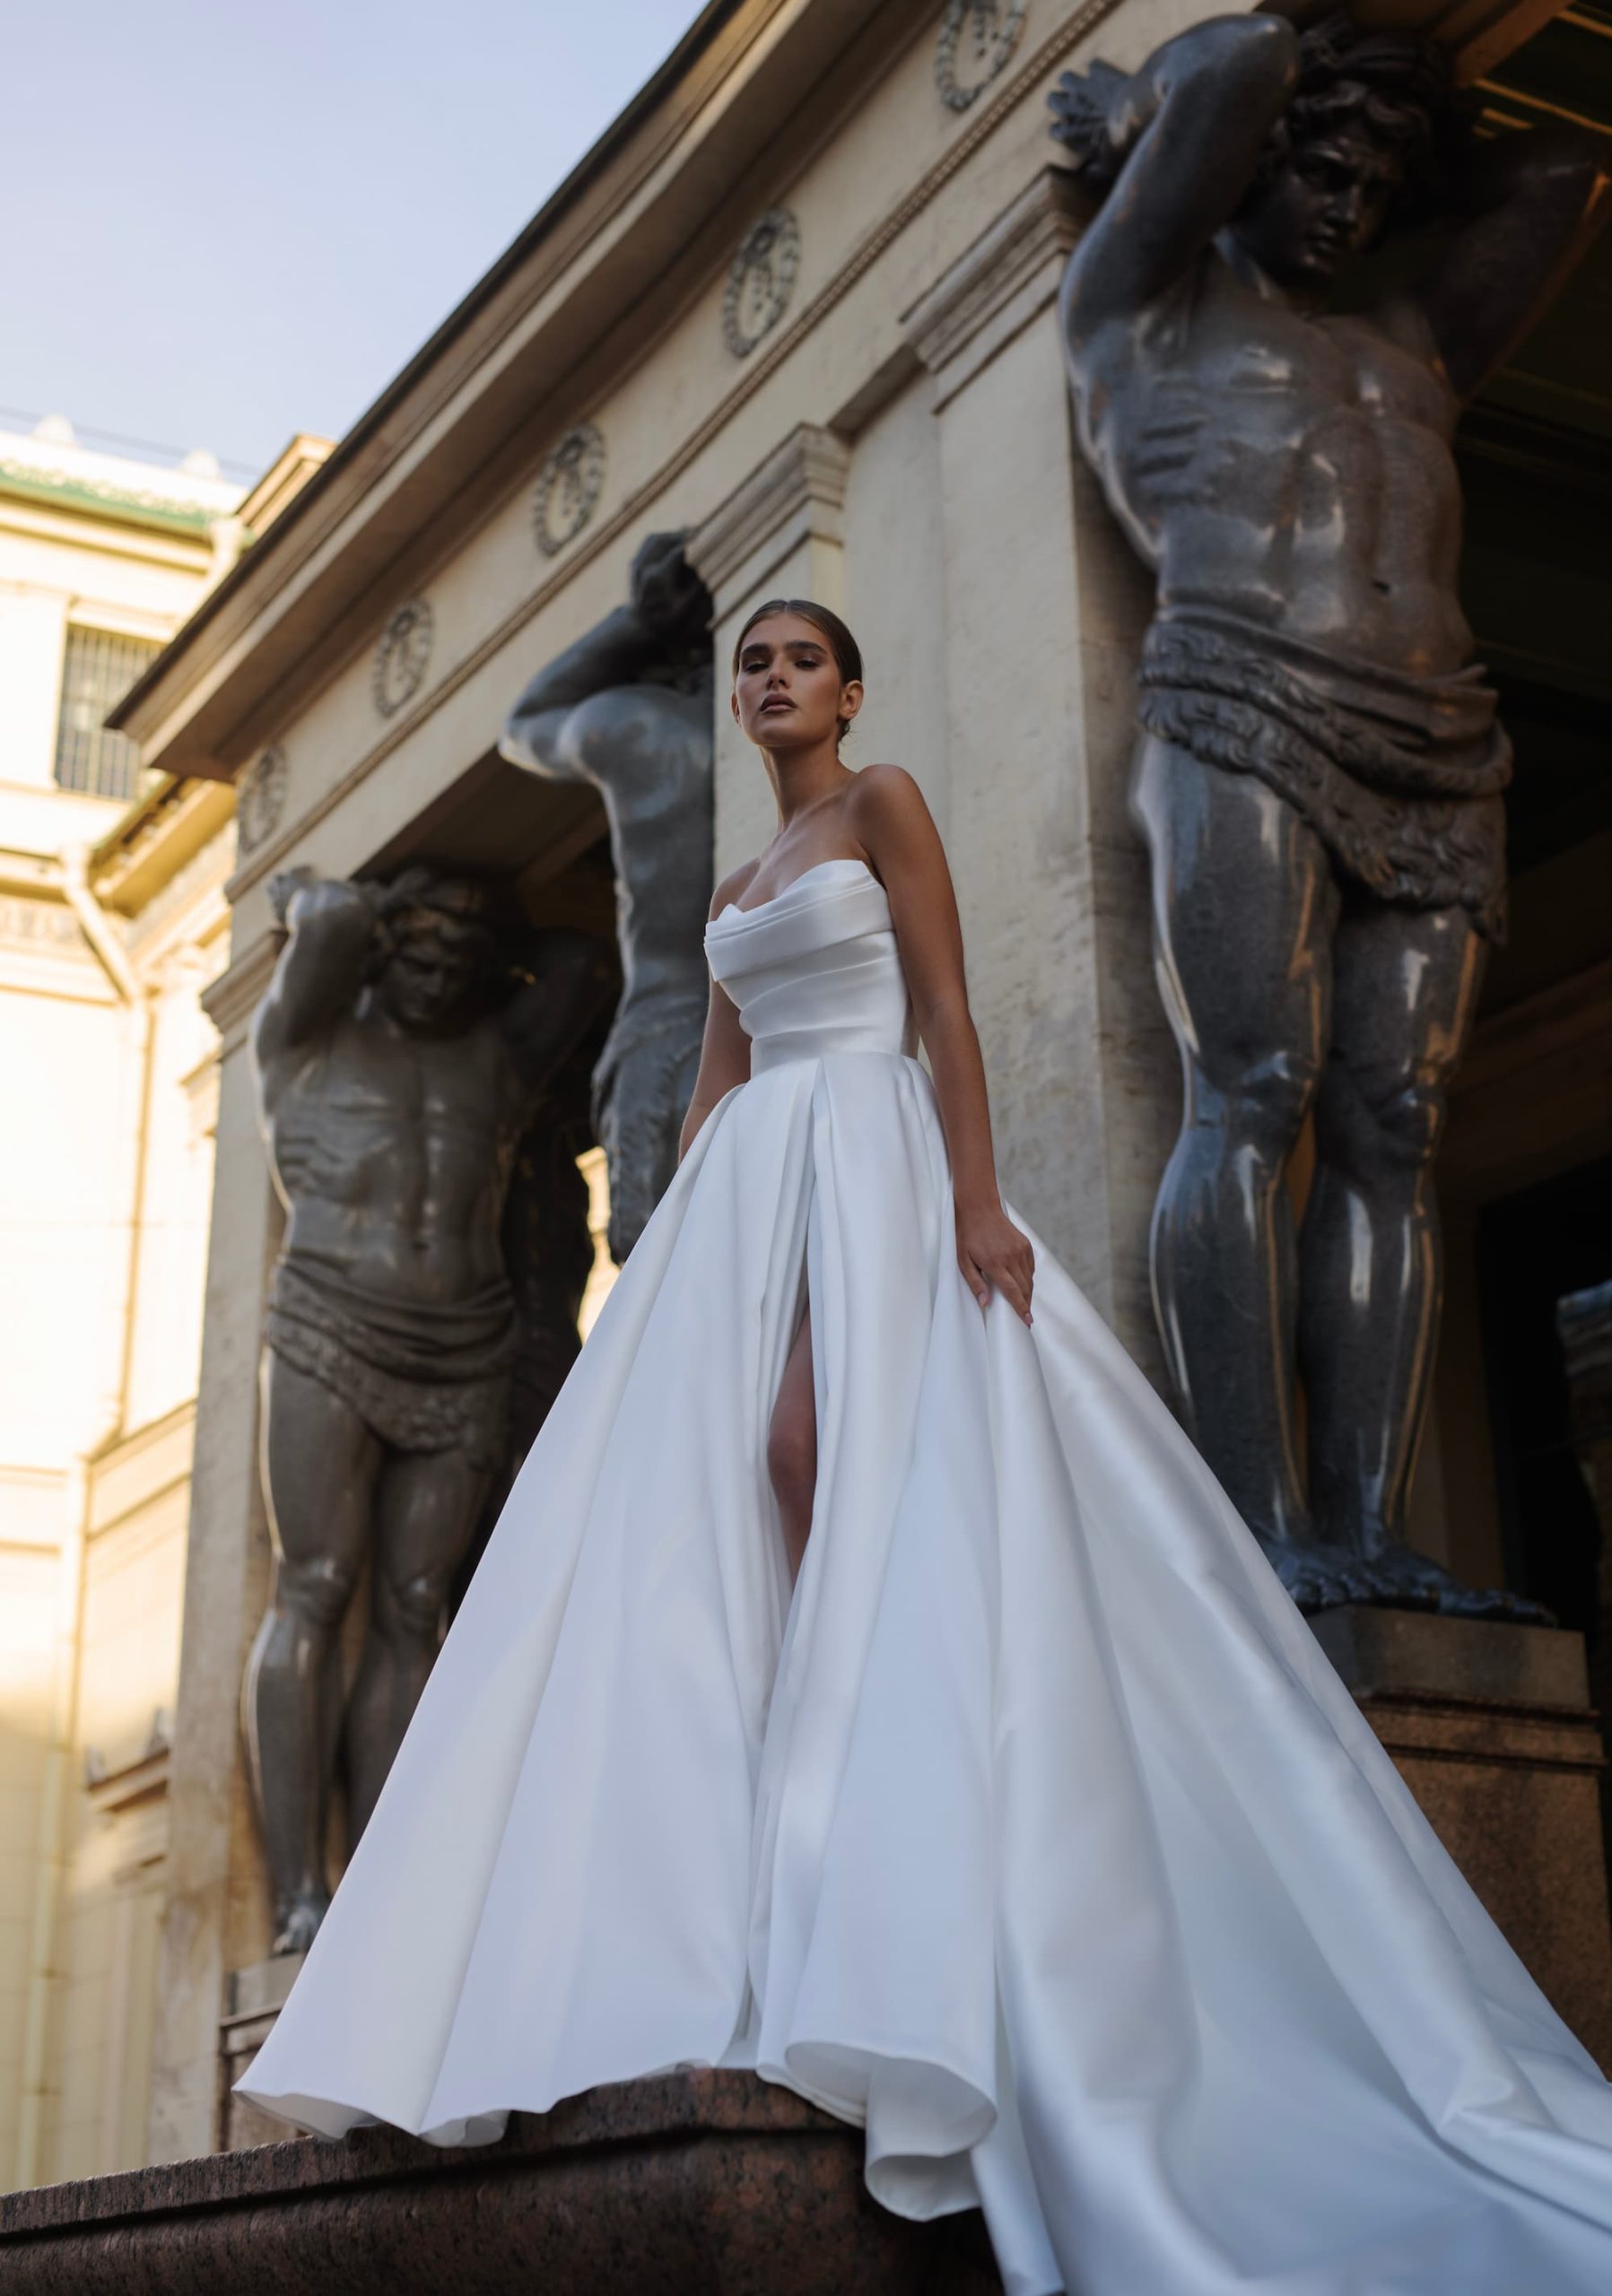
(99, 670)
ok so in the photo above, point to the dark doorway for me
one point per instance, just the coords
(1533, 1249)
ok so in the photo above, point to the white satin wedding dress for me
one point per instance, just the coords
(1035, 1832)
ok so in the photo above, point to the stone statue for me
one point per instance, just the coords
(548, 1254)
(1320, 771)
(630, 709)
(398, 1065)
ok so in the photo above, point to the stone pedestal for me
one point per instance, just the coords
(708, 2184)
(1492, 1730)
(253, 1999)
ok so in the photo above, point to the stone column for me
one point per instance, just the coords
(1052, 878)
(779, 534)
(216, 1916)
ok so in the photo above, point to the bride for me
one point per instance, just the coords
(867, 1684)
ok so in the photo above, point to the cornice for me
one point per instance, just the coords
(121, 505)
(273, 627)
(154, 844)
(799, 490)
(598, 249)
(43, 518)
(603, 535)
(997, 285)
(235, 995)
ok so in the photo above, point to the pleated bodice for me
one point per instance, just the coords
(815, 970)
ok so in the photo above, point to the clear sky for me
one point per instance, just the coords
(227, 221)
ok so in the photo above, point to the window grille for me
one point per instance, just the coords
(98, 671)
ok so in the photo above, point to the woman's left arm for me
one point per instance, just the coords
(888, 813)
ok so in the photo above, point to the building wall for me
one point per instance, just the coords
(129, 1644)
(29, 1574)
(175, 1180)
(67, 1052)
(107, 1068)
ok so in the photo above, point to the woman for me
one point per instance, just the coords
(869, 1683)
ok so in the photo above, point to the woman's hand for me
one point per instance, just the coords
(991, 1250)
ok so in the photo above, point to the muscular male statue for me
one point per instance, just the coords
(629, 708)
(1320, 773)
(395, 1084)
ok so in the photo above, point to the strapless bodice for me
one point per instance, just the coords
(815, 970)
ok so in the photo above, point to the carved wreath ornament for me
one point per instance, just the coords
(760, 281)
(401, 657)
(568, 487)
(977, 37)
(260, 800)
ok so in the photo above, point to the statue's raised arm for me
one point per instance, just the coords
(644, 642)
(334, 927)
(1526, 203)
(1172, 150)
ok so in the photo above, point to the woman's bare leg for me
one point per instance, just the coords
(792, 1445)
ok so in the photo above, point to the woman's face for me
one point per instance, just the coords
(788, 692)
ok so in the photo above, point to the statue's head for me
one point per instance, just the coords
(439, 957)
(1357, 145)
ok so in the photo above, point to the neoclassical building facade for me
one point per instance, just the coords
(799, 303)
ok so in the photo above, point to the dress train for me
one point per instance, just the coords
(1034, 1832)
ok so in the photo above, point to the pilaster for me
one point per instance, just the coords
(216, 1917)
(1052, 877)
(778, 534)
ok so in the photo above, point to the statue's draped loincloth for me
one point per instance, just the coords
(1400, 778)
(421, 1378)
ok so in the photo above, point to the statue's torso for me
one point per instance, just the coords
(1294, 470)
(393, 1154)
(648, 749)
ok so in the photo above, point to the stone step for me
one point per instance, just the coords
(698, 2184)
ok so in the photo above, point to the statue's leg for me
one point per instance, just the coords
(427, 1505)
(1243, 908)
(318, 1470)
(1406, 985)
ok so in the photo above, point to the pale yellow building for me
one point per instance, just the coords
(112, 921)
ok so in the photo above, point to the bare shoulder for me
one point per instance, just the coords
(889, 813)
(886, 795)
(733, 884)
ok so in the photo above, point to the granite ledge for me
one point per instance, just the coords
(697, 2184)
(1386, 1653)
